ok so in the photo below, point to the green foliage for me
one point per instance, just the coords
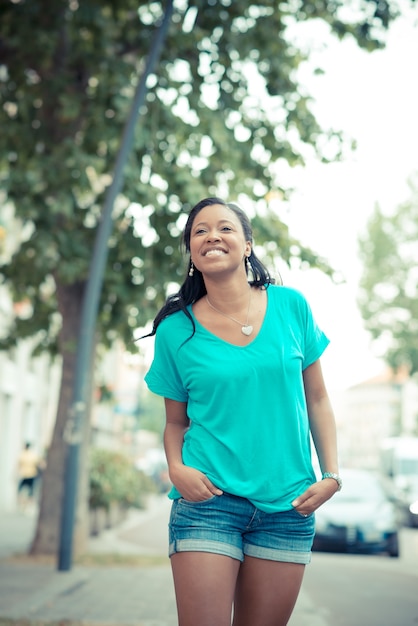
(388, 298)
(114, 479)
(203, 130)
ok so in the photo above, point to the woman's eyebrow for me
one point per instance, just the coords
(223, 221)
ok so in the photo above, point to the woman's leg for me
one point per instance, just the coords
(205, 585)
(266, 592)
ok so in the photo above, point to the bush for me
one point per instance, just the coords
(114, 479)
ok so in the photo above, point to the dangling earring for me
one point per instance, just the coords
(248, 264)
(191, 270)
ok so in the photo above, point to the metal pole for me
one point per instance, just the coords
(73, 430)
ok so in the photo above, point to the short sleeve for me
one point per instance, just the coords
(163, 378)
(315, 339)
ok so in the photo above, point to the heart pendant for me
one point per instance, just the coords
(247, 330)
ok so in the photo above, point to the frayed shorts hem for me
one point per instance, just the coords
(285, 556)
(198, 545)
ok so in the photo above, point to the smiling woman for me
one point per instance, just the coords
(237, 362)
(217, 237)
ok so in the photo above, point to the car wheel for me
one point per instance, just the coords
(393, 546)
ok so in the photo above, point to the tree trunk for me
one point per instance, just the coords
(47, 535)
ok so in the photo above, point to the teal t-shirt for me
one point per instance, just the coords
(249, 429)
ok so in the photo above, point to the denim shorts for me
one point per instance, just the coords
(234, 527)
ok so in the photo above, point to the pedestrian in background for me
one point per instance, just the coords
(29, 466)
(237, 361)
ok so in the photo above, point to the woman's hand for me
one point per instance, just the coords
(193, 484)
(315, 495)
(190, 482)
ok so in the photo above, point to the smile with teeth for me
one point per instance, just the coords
(214, 252)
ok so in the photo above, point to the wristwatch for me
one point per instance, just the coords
(335, 477)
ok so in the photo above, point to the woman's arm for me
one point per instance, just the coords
(177, 423)
(191, 483)
(321, 418)
(323, 429)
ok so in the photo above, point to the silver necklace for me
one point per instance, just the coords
(246, 328)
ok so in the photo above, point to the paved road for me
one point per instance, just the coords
(357, 590)
(338, 590)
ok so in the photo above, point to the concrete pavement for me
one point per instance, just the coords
(125, 595)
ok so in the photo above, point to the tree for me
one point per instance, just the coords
(67, 74)
(388, 298)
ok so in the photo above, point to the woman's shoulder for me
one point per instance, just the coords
(175, 325)
(178, 318)
(286, 293)
(290, 301)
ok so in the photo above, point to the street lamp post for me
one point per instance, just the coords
(85, 346)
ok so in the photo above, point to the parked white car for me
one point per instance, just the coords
(359, 518)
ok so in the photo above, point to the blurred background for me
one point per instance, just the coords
(305, 115)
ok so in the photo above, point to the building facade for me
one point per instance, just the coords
(378, 408)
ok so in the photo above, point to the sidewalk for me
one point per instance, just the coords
(126, 595)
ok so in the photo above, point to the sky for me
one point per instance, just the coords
(372, 97)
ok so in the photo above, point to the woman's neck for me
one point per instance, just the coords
(228, 295)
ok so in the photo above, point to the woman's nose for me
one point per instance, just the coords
(213, 235)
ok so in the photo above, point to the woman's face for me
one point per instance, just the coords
(217, 241)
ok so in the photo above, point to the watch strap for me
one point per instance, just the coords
(335, 477)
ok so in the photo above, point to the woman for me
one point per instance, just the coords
(237, 362)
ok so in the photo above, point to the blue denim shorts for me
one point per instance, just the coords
(234, 527)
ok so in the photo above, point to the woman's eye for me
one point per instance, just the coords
(226, 228)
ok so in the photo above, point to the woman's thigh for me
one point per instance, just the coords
(266, 592)
(205, 586)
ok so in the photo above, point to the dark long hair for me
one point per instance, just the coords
(193, 287)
